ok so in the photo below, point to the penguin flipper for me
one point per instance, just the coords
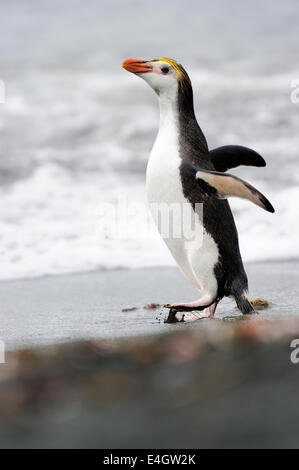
(231, 156)
(225, 185)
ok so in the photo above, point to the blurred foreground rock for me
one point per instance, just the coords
(229, 384)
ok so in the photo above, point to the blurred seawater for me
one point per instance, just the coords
(76, 130)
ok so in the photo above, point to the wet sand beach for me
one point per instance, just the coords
(89, 305)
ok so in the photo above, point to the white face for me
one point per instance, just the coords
(162, 78)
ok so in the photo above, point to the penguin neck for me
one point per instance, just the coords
(168, 112)
(174, 104)
(177, 116)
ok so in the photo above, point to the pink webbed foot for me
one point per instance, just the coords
(202, 308)
(200, 304)
(208, 312)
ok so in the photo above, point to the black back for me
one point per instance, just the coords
(217, 216)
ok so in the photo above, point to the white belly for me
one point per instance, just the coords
(195, 251)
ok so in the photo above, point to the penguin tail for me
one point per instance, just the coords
(243, 304)
(239, 292)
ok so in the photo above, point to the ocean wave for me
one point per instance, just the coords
(53, 223)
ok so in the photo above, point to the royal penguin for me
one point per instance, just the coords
(183, 173)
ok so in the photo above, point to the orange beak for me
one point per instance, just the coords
(136, 66)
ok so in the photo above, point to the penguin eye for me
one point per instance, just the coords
(165, 70)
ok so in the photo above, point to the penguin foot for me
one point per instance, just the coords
(201, 304)
(208, 312)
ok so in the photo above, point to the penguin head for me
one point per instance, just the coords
(165, 76)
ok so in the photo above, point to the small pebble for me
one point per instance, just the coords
(151, 306)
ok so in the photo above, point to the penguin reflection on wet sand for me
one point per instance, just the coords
(182, 170)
